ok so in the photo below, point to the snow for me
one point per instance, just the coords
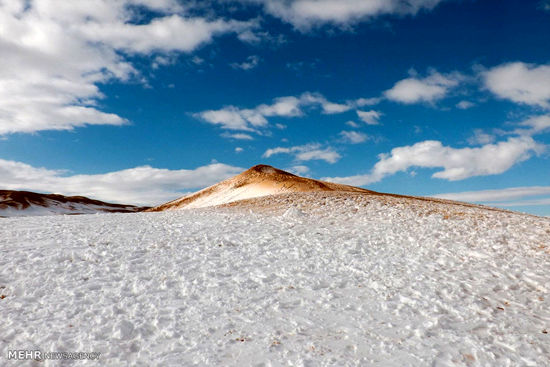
(316, 279)
(52, 207)
(24, 203)
(256, 182)
(230, 195)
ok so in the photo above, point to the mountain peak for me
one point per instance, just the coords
(266, 169)
(262, 168)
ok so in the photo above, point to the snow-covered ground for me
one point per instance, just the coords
(332, 280)
(26, 203)
(54, 208)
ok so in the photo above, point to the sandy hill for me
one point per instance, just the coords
(263, 187)
(26, 203)
(258, 181)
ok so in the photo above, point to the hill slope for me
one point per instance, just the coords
(26, 203)
(263, 187)
(258, 181)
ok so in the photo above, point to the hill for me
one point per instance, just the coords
(27, 203)
(258, 181)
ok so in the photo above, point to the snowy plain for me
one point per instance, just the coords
(320, 280)
(54, 209)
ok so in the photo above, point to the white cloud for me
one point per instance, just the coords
(362, 102)
(327, 107)
(282, 106)
(423, 90)
(256, 37)
(229, 118)
(56, 53)
(140, 185)
(279, 150)
(529, 127)
(353, 137)
(484, 196)
(369, 117)
(534, 125)
(250, 63)
(305, 14)
(519, 196)
(167, 33)
(162, 60)
(328, 155)
(197, 60)
(238, 136)
(239, 150)
(457, 163)
(330, 108)
(235, 118)
(464, 105)
(534, 202)
(352, 124)
(307, 152)
(481, 138)
(520, 82)
(298, 170)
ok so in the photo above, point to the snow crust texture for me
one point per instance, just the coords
(320, 280)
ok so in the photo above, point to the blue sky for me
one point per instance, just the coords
(141, 101)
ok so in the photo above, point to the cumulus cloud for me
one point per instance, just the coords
(56, 53)
(330, 108)
(423, 90)
(520, 83)
(328, 155)
(308, 152)
(143, 185)
(353, 137)
(457, 163)
(369, 117)
(282, 106)
(306, 14)
(250, 63)
(168, 33)
(235, 118)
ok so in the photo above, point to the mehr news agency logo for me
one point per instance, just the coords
(38, 355)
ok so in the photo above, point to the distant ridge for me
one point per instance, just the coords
(27, 203)
(258, 181)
